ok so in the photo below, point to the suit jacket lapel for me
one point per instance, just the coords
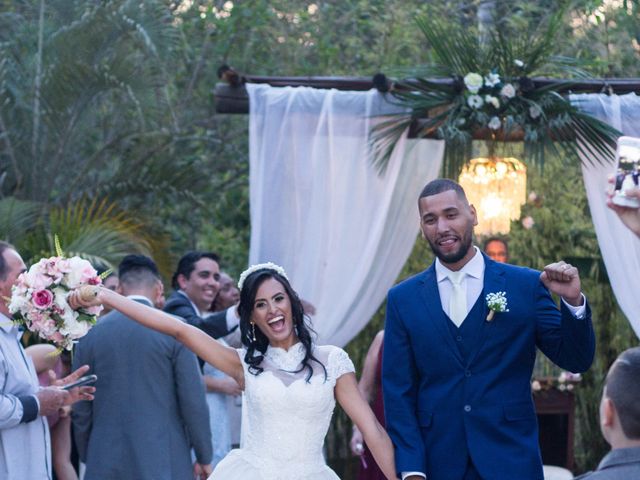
(435, 314)
(494, 281)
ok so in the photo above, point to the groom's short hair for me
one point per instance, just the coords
(622, 387)
(441, 185)
(4, 246)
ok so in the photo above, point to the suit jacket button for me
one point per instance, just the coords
(467, 373)
(459, 338)
(467, 408)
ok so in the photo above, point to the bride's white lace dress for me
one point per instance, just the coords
(286, 417)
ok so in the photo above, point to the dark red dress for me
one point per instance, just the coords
(371, 471)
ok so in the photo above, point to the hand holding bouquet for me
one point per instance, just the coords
(39, 299)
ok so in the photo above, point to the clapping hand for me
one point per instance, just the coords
(563, 279)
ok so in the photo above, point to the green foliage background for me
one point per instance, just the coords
(114, 108)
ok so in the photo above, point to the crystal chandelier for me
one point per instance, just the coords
(497, 187)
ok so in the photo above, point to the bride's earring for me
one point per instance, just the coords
(253, 331)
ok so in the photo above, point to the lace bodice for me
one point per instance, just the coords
(287, 417)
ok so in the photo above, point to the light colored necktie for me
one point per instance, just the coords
(458, 299)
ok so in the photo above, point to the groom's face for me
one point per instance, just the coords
(447, 222)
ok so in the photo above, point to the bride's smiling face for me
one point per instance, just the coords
(272, 314)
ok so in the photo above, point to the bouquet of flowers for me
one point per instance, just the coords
(39, 299)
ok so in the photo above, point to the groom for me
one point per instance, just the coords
(456, 380)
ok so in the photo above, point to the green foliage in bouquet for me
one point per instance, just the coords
(492, 96)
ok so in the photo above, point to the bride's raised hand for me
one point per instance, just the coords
(84, 297)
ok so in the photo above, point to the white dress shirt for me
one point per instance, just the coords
(473, 282)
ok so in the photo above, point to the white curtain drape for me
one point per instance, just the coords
(620, 248)
(318, 208)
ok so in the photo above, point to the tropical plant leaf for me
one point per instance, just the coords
(499, 62)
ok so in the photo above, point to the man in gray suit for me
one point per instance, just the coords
(151, 408)
(620, 420)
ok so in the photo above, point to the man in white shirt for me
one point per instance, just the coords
(25, 448)
(456, 372)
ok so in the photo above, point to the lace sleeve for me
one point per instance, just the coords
(339, 363)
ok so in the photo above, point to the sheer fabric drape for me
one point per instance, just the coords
(620, 248)
(340, 229)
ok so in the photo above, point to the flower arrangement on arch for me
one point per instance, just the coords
(492, 87)
(39, 299)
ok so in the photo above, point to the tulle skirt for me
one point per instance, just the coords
(240, 464)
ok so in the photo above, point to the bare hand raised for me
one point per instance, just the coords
(563, 279)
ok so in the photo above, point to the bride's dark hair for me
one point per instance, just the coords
(256, 349)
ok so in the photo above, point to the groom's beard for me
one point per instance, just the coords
(452, 257)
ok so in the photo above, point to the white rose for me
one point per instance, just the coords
(74, 278)
(492, 80)
(494, 123)
(508, 91)
(60, 298)
(473, 81)
(528, 223)
(534, 111)
(72, 327)
(535, 386)
(20, 302)
(475, 101)
(491, 100)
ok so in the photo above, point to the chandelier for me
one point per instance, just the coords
(497, 187)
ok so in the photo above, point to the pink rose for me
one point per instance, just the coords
(42, 299)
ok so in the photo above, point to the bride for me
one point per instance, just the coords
(290, 384)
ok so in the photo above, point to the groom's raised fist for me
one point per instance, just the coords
(563, 279)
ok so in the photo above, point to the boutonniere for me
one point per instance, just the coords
(496, 302)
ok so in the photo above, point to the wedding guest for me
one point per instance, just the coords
(150, 408)
(370, 386)
(196, 282)
(24, 433)
(223, 390)
(50, 365)
(496, 249)
(459, 350)
(620, 419)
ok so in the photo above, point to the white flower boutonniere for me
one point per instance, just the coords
(496, 302)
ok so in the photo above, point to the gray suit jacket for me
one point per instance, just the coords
(149, 408)
(619, 464)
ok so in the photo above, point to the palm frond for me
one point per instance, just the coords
(548, 120)
(18, 217)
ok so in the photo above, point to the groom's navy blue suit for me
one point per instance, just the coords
(459, 399)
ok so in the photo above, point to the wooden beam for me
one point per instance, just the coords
(234, 99)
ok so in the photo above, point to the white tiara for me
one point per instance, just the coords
(261, 266)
